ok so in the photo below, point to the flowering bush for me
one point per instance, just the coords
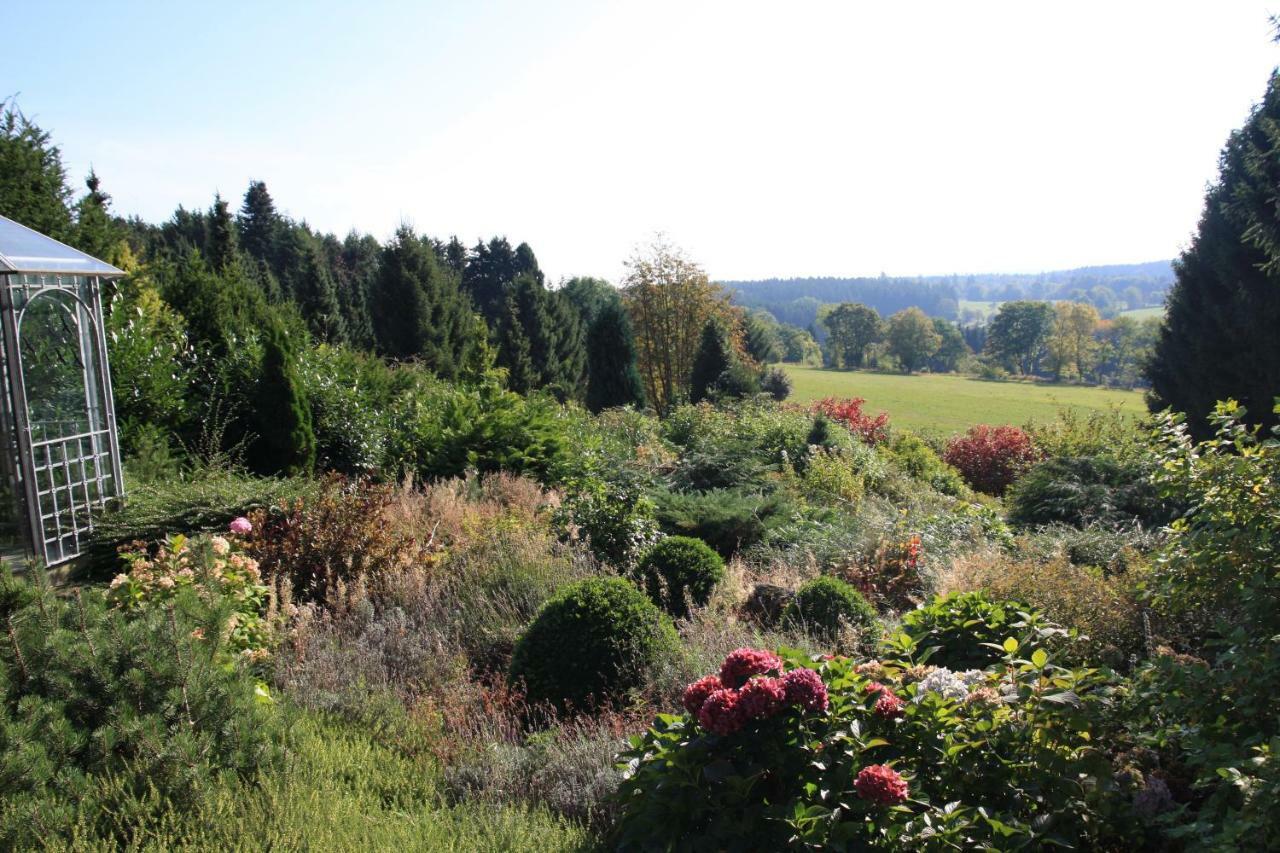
(872, 430)
(890, 754)
(216, 568)
(991, 458)
(966, 629)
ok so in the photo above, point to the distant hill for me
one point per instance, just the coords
(1111, 288)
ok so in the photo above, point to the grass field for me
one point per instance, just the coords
(947, 403)
(1156, 311)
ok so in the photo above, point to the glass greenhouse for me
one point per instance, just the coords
(61, 459)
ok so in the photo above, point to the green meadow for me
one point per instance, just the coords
(949, 403)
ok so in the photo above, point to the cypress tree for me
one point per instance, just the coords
(613, 379)
(715, 356)
(1219, 338)
(286, 443)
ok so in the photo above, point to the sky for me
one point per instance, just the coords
(767, 139)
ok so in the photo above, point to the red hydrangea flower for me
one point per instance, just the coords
(805, 688)
(697, 692)
(889, 704)
(719, 714)
(880, 784)
(741, 664)
(761, 698)
(873, 687)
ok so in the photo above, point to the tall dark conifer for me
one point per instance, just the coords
(260, 224)
(613, 379)
(1220, 334)
(286, 442)
(33, 181)
(222, 235)
(715, 355)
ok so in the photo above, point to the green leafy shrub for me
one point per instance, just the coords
(151, 697)
(826, 607)
(919, 461)
(680, 570)
(726, 519)
(1081, 490)
(886, 755)
(591, 643)
(615, 518)
(966, 629)
(831, 476)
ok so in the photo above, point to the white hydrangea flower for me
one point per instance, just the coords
(945, 683)
(970, 677)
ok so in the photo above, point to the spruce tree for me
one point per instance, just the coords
(33, 181)
(222, 235)
(97, 231)
(286, 443)
(260, 224)
(613, 379)
(515, 352)
(715, 356)
(1219, 338)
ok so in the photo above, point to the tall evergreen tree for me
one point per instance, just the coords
(33, 181)
(589, 297)
(417, 308)
(715, 356)
(1219, 339)
(260, 224)
(515, 352)
(97, 231)
(286, 442)
(613, 379)
(223, 253)
(309, 281)
(490, 268)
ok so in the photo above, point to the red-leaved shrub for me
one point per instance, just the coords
(848, 413)
(991, 458)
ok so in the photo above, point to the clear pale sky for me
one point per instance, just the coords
(768, 139)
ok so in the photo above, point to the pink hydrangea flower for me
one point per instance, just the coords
(889, 704)
(880, 784)
(697, 692)
(743, 663)
(241, 526)
(873, 687)
(805, 688)
(719, 714)
(761, 698)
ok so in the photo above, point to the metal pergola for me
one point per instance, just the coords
(61, 453)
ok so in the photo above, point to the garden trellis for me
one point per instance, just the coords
(61, 459)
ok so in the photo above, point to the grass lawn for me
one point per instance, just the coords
(947, 403)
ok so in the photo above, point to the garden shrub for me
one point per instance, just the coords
(680, 570)
(890, 577)
(590, 644)
(726, 519)
(350, 396)
(783, 751)
(991, 458)
(1104, 610)
(962, 628)
(1080, 490)
(776, 383)
(342, 535)
(848, 413)
(150, 696)
(830, 477)
(614, 517)
(918, 460)
(826, 607)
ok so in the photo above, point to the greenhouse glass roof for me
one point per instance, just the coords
(23, 250)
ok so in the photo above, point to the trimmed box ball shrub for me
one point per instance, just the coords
(592, 641)
(825, 606)
(679, 570)
(963, 628)
(991, 458)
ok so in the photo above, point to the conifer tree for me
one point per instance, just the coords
(309, 281)
(613, 379)
(286, 443)
(33, 181)
(222, 235)
(1219, 338)
(260, 224)
(515, 352)
(97, 231)
(715, 356)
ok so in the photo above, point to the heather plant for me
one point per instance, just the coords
(779, 750)
(827, 608)
(679, 571)
(591, 644)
